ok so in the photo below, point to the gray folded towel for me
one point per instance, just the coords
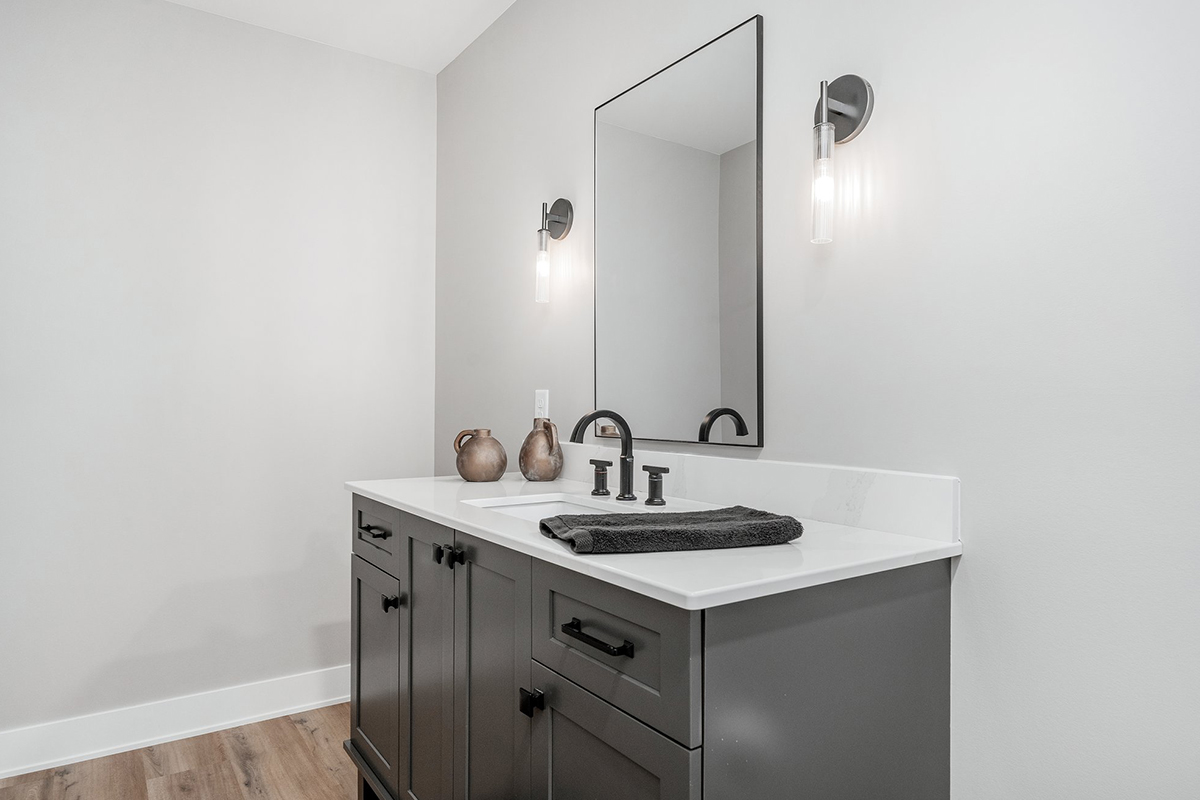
(737, 526)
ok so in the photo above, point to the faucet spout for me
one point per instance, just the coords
(711, 417)
(626, 446)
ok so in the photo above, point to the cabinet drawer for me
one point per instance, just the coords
(639, 654)
(583, 747)
(376, 531)
(379, 533)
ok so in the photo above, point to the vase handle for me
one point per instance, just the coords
(458, 440)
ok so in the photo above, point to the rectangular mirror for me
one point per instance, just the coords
(679, 247)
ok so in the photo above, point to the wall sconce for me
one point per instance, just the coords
(556, 224)
(842, 113)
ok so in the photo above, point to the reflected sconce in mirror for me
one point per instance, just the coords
(556, 224)
(842, 113)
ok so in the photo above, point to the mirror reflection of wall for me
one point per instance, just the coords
(677, 256)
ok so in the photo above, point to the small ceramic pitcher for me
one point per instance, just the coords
(482, 458)
(541, 458)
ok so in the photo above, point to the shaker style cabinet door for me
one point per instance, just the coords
(378, 625)
(492, 590)
(583, 748)
(429, 655)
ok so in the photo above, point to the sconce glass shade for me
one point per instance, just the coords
(822, 185)
(542, 271)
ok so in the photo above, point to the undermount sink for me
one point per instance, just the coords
(536, 507)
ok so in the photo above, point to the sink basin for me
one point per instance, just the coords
(536, 507)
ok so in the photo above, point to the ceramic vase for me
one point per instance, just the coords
(541, 458)
(480, 457)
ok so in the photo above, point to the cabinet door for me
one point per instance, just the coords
(378, 625)
(493, 642)
(585, 748)
(429, 716)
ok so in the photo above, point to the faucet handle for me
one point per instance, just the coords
(600, 479)
(655, 485)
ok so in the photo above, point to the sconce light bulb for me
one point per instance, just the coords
(542, 268)
(823, 180)
(822, 185)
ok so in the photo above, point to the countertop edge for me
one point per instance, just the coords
(688, 601)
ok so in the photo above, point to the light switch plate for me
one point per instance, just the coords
(541, 403)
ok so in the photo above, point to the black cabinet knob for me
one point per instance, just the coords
(390, 602)
(451, 556)
(531, 700)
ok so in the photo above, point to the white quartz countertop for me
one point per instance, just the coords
(691, 579)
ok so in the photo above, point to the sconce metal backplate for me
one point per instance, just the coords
(559, 219)
(850, 102)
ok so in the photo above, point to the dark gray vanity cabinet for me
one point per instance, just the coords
(439, 652)
(479, 673)
(401, 655)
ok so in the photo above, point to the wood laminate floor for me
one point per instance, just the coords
(290, 758)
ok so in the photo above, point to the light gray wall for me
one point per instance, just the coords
(738, 249)
(658, 294)
(1012, 297)
(216, 292)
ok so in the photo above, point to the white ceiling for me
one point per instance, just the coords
(708, 101)
(423, 34)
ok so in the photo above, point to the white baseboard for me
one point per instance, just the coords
(66, 741)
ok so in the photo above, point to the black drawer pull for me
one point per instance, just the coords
(574, 629)
(439, 553)
(390, 602)
(374, 531)
(532, 700)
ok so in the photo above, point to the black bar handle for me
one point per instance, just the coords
(574, 629)
(374, 531)
(531, 700)
(439, 552)
(455, 556)
(390, 602)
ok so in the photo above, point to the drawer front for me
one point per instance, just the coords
(583, 747)
(376, 531)
(639, 654)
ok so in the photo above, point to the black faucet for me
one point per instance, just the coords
(626, 446)
(712, 416)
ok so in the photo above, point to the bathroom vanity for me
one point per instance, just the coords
(489, 661)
